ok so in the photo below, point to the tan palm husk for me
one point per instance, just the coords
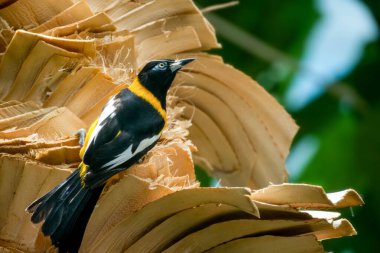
(60, 63)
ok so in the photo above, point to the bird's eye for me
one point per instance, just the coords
(161, 65)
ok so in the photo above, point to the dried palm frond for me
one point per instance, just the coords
(62, 61)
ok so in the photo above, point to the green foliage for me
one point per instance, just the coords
(203, 177)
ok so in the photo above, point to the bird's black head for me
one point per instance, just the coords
(158, 75)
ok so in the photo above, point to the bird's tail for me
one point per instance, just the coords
(65, 211)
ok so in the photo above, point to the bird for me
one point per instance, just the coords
(129, 125)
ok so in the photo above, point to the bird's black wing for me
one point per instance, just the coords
(103, 130)
(116, 156)
(139, 127)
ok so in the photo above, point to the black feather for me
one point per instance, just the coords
(96, 178)
(68, 235)
(66, 210)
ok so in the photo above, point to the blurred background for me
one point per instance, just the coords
(321, 60)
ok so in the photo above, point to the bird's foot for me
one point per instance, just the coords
(82, 136)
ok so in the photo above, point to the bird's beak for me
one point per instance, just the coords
(178, 64)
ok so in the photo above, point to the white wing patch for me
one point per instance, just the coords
(127, 154)
(108, 110)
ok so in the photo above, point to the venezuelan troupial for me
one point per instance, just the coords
(130, 125)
